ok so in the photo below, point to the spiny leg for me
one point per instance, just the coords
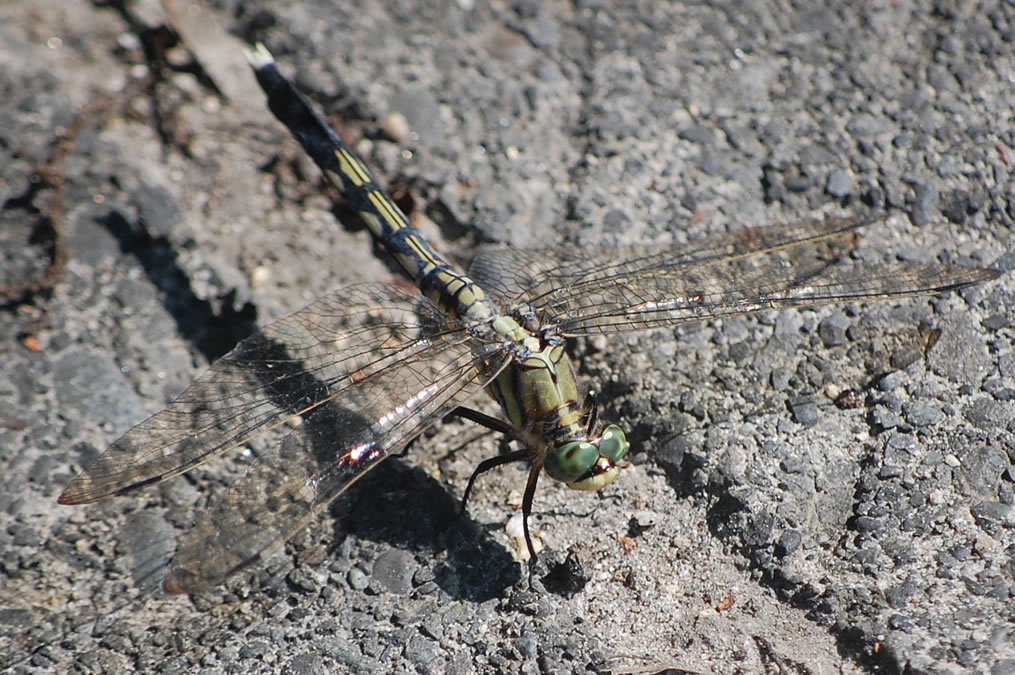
(522, 455)
(491, 423)
(482, 419)
(494, 424)
(493, 463)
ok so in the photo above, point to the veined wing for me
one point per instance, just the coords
(335, 444)
(348, 340)
(528, 276)
(755, 269)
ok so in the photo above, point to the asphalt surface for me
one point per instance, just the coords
(154, 213)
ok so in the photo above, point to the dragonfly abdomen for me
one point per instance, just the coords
(436, 277)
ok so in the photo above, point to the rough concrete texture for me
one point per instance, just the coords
(154, 212)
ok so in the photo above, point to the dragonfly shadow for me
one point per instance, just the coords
(148, 541)
(404, 507)
(212, 332)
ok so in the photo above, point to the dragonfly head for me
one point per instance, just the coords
(590, 464)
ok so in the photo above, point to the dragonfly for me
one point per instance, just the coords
(359, 373)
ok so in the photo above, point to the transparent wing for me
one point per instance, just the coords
(289, 368)
(632, 288)
(334, 445)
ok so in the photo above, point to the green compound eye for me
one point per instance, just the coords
(588, 465)
(613, 443)
(571, 461)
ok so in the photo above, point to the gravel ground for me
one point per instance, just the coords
(154, 213)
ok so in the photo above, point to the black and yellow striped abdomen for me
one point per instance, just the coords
(435, 276)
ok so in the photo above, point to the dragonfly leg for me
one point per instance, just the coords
(530, 491)
(494, 424)
(491, 423)
(493, 463)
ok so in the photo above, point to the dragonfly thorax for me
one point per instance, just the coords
(539, 393)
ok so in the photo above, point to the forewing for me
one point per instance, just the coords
(632, 288)
(289, 368)
(522, 276)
